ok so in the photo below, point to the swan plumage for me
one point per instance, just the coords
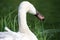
(24, 32)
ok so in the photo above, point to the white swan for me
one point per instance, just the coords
(24, 32)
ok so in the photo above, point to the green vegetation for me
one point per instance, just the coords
(47, 30)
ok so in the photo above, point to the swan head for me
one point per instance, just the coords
(28, 7)
(33, 11)
(37, 14)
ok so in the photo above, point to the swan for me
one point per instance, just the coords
(24, 32)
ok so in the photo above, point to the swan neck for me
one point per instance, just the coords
(23, 27)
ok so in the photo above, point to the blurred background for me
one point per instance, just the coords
(50, 28)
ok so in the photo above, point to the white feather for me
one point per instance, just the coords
(24, 32)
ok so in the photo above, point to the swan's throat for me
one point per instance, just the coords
(23, 27)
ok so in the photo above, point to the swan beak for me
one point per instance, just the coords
(39, 16)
